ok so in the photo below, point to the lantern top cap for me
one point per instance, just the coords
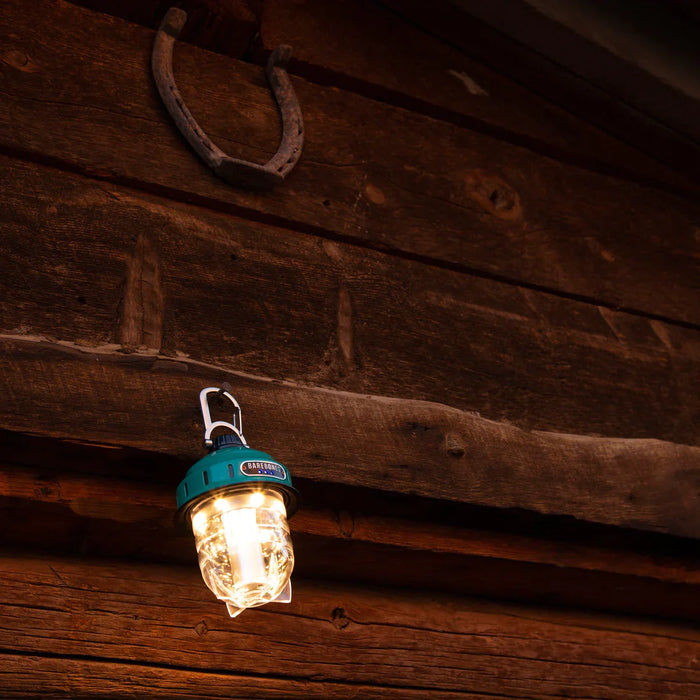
(231, 462)
(237, 466)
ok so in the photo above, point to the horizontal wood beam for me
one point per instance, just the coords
(112, 518)
(64, 677)
(607, 110)
(371, 173)
(636, 57)
(98, 263)
(364, 47)
(135, 502)
(155, 615)
(224, 26)
(329, 436)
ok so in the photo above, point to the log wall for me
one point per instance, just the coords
(468, 323)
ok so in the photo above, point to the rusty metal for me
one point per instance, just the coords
(234, 171)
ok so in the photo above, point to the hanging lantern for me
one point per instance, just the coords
(237, 501)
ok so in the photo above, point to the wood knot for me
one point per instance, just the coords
(48, 490)
(495, 195)
(19, 60)
(374, 194)
(453, 446)
(414, 428)
(339, 619)
(201, 628)
(346, 523)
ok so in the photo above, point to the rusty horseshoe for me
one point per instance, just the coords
(234, 171)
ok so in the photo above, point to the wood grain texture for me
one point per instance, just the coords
(160, 615)
(90, 516)
(354, 562)
(371, 173)
(141, 308)
(538, 72)
(96, 263)
(64, 677)
(339, 437)
(573, 48)
(224, 26)
(138, 502)
(365, 47)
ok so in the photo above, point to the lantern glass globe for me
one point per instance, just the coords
(244, 546)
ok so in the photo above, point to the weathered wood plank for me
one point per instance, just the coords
(98, 263)
(224, 26)
(61, 532)
(364, 47)
(602, 63)
(73, 514)
(538, 72)
(330, 436)
(118, 500)
(63, 677)
(77, 91)
(157, 615)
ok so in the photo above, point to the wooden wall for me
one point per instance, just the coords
(468, 322)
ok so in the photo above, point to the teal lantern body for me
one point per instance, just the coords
(235, 465)
(237, 501)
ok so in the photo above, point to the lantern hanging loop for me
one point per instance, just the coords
(236, 425)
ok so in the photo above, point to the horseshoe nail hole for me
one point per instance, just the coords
(233, 256)
(326, 202)
(82, 300)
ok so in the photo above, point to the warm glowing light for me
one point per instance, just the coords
(199, 520)
(244, 547)
(257, 499)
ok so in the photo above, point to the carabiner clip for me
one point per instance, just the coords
(237, 422)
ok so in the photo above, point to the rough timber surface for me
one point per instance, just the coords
(150, 506)
(98, 263)
(365, 47)
(604, 108)
(164, 616)
(374, 442)
(77, 90)
(224, 26)
(337, 537)
(65, 677)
